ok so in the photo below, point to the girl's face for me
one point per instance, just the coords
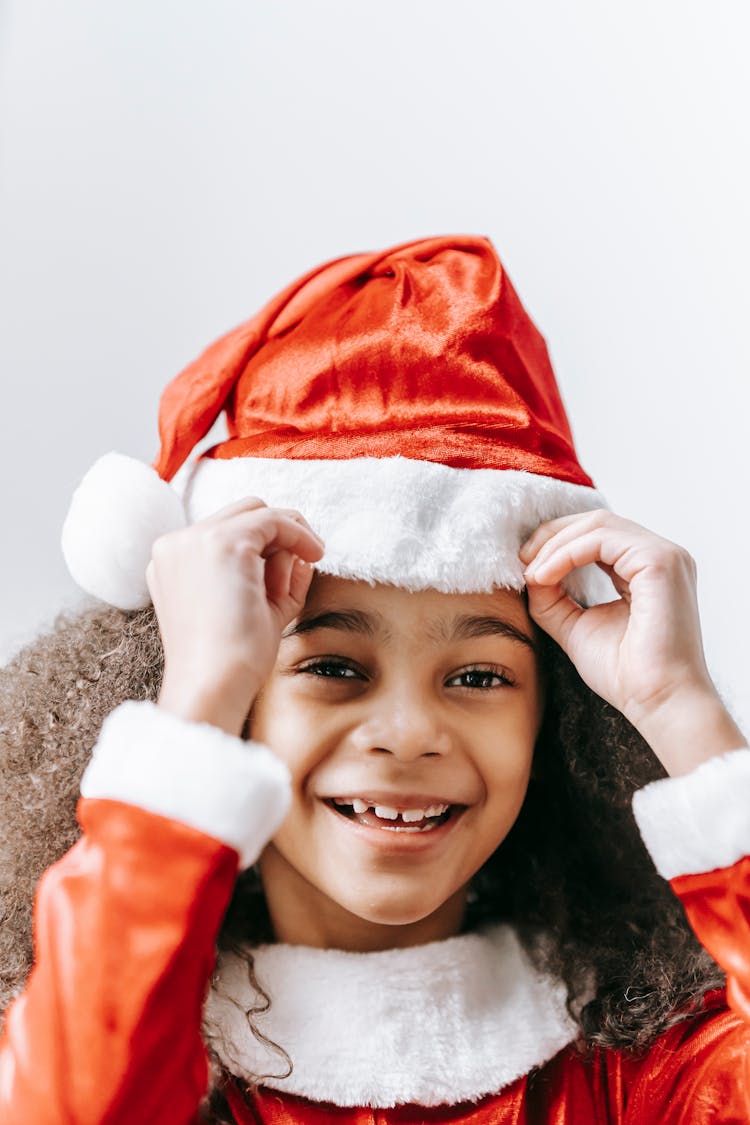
(408, 721)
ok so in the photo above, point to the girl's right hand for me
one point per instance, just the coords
(223, 590)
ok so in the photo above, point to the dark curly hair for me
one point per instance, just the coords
(573, 875)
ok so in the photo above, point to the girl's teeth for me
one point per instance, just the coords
(384, 812)
(388, 828)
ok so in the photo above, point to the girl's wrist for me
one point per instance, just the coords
(689, 728)
(222, 705)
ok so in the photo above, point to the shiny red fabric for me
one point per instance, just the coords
(421, 351)
(108, 1027)
(107, 1031)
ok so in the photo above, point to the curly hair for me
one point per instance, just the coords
(572, 876)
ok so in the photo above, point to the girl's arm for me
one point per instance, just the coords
(108, 1027)
(697, 829)
(107, 1031)
(643, 654)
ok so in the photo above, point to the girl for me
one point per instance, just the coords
(387, 771)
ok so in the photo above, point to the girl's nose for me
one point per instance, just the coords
(406, 728)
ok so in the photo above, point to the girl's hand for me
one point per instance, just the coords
(643, 652)
(224, 589)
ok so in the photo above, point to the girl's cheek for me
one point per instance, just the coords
(274, 719)
(299, 739)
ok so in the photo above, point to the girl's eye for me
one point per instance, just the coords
(331, 669)
(483, 679)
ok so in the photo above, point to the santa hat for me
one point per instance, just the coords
(402, 400)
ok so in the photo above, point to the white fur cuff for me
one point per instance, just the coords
(238, 792)
(699, 822)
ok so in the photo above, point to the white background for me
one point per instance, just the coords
(167, 166)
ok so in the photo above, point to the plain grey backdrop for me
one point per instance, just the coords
(166, 167)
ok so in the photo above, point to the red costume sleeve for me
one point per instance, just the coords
(717, 904)
(696, 1072)
(698, 830)
(699, 1071)
(108, 1028)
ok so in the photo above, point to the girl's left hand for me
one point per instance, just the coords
(643, 653)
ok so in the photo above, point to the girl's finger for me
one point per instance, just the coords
(287, 583)
(278, 573)
(548, 530)
(558, 532)
(293, 514)
(299, 582)
(615, 547)
(554, 611)
(269, 531)
(247, 504)
(254, 504)
(620, 585)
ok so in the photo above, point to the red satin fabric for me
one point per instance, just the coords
(107, 1030)
(108, 1027)
(422, 351)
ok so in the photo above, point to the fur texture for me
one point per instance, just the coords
(392, 520)
(440, 1023)
(117, 512)
(689, 823)
(235, 791)
(414, 524)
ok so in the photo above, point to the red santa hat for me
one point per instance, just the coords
(402, 400)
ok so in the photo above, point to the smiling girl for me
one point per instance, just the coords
(387, 772)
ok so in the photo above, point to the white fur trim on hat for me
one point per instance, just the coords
(408, 523)
(698, 822)
(117, 512)
(238, 792)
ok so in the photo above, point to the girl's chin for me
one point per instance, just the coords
(438, 917)
(390, 914)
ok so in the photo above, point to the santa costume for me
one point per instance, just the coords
(405, 403)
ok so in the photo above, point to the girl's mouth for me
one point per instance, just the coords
(390, 819)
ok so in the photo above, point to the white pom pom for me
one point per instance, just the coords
(117, 512)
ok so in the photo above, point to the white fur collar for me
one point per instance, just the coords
(435, 1024)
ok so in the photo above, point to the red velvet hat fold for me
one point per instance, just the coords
(422, 351)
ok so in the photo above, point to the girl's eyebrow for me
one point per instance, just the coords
(461, 628)
(351, 620)
(467, 626)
